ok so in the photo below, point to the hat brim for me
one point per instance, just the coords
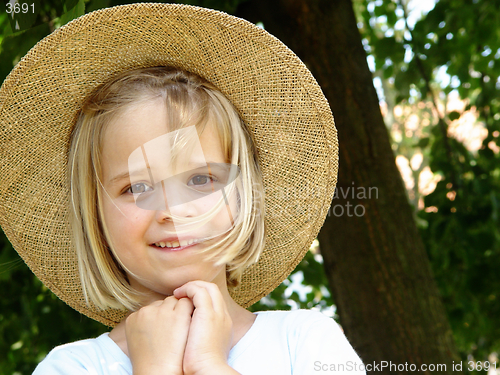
(275, 94)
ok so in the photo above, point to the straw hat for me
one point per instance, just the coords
(275, 94)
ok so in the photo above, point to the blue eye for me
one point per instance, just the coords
(139, 188)
(200, 180)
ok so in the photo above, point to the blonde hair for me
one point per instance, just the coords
(189, 100)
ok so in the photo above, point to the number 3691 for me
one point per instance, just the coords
(20, 8)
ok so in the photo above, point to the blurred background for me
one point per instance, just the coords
(409, 268)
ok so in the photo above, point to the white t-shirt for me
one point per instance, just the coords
(279, 342)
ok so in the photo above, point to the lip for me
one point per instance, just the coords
(172, 239)
(175, 239)
(168, 239)
(168, 249)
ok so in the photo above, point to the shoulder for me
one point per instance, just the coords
(292, 315)
(304, 328)
(297, 320)
(315, 342)
(78, 351)
(95, 356)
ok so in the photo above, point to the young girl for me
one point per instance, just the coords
(186, 204)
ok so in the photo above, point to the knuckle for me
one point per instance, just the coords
(211, 285)
(131, 318)
(142, 313)
(185, 301)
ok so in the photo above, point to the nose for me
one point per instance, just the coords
(183, 210)
(171, 204)
(162, 215)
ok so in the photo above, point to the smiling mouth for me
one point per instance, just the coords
(176, 244)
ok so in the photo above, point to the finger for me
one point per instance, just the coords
(169, 302)
(213, 290)
(185, 306)
(196, 293)
(156, 303)
(218, 303)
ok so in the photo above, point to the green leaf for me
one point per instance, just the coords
(75, 12)
(423, 142)
(454, 115)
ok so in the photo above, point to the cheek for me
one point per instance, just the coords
(228, 213)
(208, 203)
(124, 221)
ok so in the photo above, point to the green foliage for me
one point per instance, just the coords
(15, 42)
(317, 297)
(228, 6)
(32, 319)
(459, 221)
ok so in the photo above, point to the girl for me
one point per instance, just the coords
(169, 240)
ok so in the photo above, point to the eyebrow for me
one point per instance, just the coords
(119, 177)
(124, 175)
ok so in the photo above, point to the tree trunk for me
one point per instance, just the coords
(377, 267)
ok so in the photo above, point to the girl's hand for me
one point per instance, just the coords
(210, 334)
(157, 336)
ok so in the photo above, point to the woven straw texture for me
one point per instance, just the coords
(273, 91)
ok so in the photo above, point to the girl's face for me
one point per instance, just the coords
(142, 233)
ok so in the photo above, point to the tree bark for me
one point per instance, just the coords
(376, 264)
